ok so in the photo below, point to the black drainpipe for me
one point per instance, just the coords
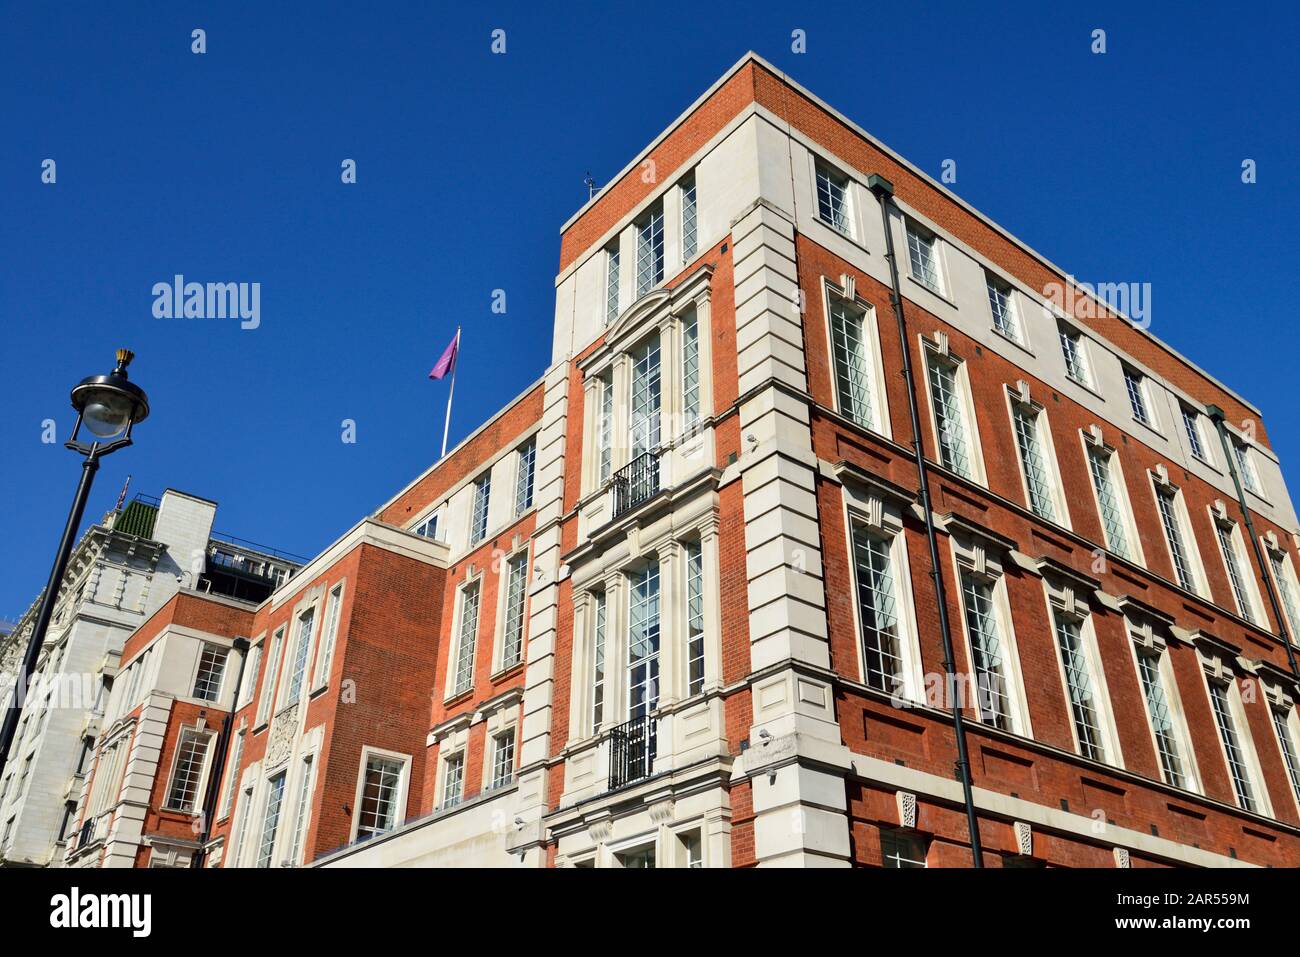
(219, 760)
(884, 191)
(1218, 417)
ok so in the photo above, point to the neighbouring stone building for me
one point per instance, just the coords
(675, 604)
(121, 571)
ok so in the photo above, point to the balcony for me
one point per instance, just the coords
(632, 751)
(636, 482)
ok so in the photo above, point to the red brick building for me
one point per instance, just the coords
(677, 604)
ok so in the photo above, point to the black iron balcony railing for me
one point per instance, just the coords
(636, 482)
(631, 751)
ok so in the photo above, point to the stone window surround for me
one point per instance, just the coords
(1092, 439)
(975, 551)
(1223, 666)
(1151, 633)
(403, 790)
(1249, 574)
(1019, 394)
(938, 345)
(847, 289)
(667, 550)
(1159, 481)
(662, 310)
(1066, 594)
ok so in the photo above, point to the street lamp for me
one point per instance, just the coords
(108, 406)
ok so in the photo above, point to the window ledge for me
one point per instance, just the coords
(1023, 347)
(932, 291)
(1149, 427)
(457, 697)
(506, 671)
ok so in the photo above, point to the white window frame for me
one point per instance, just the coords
(270, 675)
(324, 658)
(445, 761)
(216, 693)
(1191, 421)
(1217, 671)
(613, 278)
(643, 284)
(497, 741)
(1079, 346)
(1138, 383)
(925, 235)
(303, 786)
(189, 732)
(1064, 601)
(877, 394)
(298, 639)
(480, 490)
(1249, 580)
(977, 561)
(1282, 567)
(525, 475)
(233, 761)
(1144, 639)
(453, 689)
(690, 232)
(884, 520)
(1046, 451)
(1246, 465)
(1190, 545)
(996, 284)
(932, 351)
(1114, 466)
(499, 663)
(402, 793)
(842, 181)
(248, 689)
(1285, 719)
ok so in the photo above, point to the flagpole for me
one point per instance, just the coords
(446, 426)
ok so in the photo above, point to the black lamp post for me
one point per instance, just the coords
(108, 406)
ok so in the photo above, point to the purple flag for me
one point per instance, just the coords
(448, 360)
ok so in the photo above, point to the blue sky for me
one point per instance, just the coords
(225, 167)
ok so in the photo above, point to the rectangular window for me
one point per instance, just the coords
(453, 780)
(611, 283)
(1135, 384)
(923, 255)
(191, 754)
(271, 820)
(644, 421)
(690, 368)
(690, 227)
(380, 791)
(1231, 746)
(643, 643)
(692, 850)
(212, 665)
(606, 428)
(1228, 549)
(833, 199)
(517, 581)
(469, 601)
(694, 618)
(598, 664)
(249, 686)
(1192, 426)
(428, 528)
(986, 650)
(650, 251)
(1174, 536)
(1106, 487)
(232, 776)
(1076, 358)
(852, 361)
(1289, 755)
(503, 759)
(524, 480)
(1286, 593)
(1079, 684)
(1162, 720)
(902, 849)
(950, 419)
(301, 655)
(328, 637)
(478, 525)
(1245, 468)
(268, 680)
(1002, 305)
(1032, 462)
(877, 611)
(243, 813)
(301, 812)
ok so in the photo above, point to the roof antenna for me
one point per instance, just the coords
(122, 498)
(591, 185)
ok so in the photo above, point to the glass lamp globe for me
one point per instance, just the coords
(107, 413)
